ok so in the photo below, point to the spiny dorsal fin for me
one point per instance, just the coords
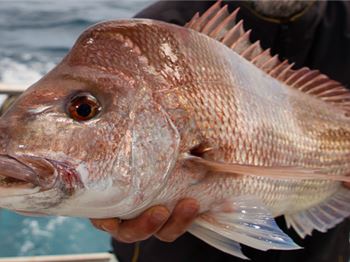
(221, 25)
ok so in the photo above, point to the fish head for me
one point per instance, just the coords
(90, 138)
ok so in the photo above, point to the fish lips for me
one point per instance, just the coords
(35, 170)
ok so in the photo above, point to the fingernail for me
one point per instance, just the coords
(191, 208)
(159, 216)
(104, 228)
(108, 227)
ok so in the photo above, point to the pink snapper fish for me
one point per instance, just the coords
(142, 112)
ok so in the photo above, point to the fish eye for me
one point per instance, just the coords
(83, 107)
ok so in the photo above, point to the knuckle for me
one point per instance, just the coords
(189, 212)
(141, 230)
(157, 217)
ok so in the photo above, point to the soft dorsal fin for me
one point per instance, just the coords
(221, 25)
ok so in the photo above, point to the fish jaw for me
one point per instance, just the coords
(21, 186)
(18, 172)
(38, 186)
(16, 179)
(10, 167)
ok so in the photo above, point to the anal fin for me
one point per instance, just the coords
(323, 216)
(216, 240)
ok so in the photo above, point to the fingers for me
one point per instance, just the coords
(143, 226)
(347, 184)
(107, 224)
(139, 228)
(182, 217)
(154, 221)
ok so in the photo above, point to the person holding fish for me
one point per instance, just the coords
(152, 129)
(297, 31)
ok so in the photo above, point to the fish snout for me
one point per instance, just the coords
(37, 171)
(15, 171)
(44, 171)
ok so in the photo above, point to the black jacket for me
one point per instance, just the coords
(319, 39)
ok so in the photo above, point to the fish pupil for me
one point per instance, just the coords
(84, 110)
(83, 107)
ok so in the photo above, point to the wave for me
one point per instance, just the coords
(24, 73)
(42, 15)
(40, 24)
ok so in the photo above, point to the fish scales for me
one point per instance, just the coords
(239, 108)
(142, 112)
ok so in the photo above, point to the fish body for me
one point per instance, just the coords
(247, 117)
(142, 112)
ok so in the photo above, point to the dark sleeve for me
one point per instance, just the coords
(176, 12)
(330, 50)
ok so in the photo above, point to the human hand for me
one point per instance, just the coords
(347, 184)
(155, 221)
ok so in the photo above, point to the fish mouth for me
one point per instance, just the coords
(26, 172)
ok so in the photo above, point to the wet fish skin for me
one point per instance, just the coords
(101, 151)
(166, 91)
(227, 100)
(184, 76)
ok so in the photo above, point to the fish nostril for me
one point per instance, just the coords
(4, 138)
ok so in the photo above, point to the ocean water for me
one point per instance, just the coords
(34, 36)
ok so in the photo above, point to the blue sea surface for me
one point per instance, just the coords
(28, 236)
(35, 35)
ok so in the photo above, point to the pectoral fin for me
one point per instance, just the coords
(278, 172)
(241, 219)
